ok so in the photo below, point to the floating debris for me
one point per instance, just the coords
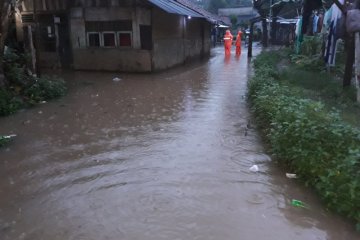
(291, 175)
(254, 168)
(298, 203)
(8, 136)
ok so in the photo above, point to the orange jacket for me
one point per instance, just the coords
(228, 38)
(238, 39)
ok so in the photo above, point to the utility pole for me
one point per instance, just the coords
(271, 19)
(37, 41)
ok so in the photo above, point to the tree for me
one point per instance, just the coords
(263, 6)
(274, 9)
(233, 20)
(5, 12)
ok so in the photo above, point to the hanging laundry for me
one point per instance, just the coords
(327, 20)
(336, 32)
(308, 8)
(299, 35)
(315, 24)
(320, 22)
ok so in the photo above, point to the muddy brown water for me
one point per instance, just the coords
(151, 157)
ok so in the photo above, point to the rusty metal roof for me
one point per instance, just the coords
(172, 6)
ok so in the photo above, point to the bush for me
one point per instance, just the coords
(311, 63)
(46, 88)
(14, 66)
(8, 103)
(311, 45)
(3, 141)
(312, 141)
(25, 88)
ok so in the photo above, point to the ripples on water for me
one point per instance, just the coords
(161, 156)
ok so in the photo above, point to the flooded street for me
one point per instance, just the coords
(164, 156)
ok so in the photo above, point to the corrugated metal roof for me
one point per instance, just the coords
(174, 7)
(209, 16)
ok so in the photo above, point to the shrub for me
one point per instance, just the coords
(8, 103)
(311, 45)
(312, 141)
(46, 88)
(3, 141)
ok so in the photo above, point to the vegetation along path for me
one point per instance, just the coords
(161, 156)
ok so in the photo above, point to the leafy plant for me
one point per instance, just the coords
(46, 88)
(8, 103)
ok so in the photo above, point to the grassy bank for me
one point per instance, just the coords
(295, 110)
(23, 89)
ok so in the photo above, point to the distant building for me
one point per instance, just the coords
(242, 13)
(115, 35)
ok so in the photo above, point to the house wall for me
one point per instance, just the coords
(111, 59)
(129, 60)
(177, 39)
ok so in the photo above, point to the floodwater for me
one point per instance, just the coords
(164, 156)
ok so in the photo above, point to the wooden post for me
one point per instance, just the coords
(350, 58)
(273, 29)
(265, 32)
(57, 40)
(37, 41)
(350, 50)
(357, 64)
(31, 48)
(251, 39)
(5, 8)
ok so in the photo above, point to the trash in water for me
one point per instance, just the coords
(298, 203)
(254, 168)
(291, 175)
(8, 136)
(116, 79)
(6, 139)
(42, 102)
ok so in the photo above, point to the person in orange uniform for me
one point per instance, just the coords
(238, 43)
(228, 42)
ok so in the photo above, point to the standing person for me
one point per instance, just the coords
(228, 42)
(238, 43)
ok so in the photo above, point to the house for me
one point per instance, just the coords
(115, 35)
(241, 13)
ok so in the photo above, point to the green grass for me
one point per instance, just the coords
(324, 87)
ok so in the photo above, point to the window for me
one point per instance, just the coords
(109, 34)
(124, 39)
(93, 39)
(109, 39)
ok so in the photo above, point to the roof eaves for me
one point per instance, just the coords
(174, 7)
